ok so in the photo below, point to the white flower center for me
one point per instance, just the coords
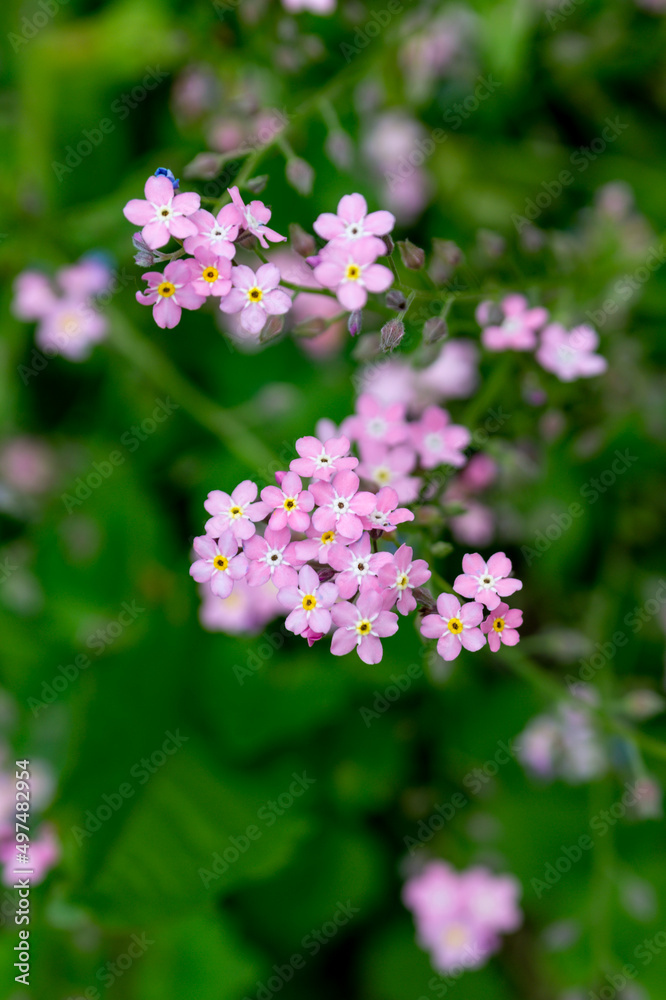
(340, 505)
(163, 213)
(360, 568)
(433, 441)
(273, 557)
(354, 230)
(376, 426)
(382, 475)
(323, 461)
(402, 581)
(486, 581)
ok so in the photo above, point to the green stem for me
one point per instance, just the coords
(145, 356)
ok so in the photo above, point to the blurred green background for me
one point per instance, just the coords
(561, 71)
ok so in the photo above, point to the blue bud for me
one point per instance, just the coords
(165, 172)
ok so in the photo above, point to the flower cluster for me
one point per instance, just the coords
(68, 321)
(347, 263)
(459, 916)
(514, 326)
(327, 547)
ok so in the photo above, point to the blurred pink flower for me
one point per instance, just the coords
(245, 612)
(391, 467)
(453, 375)
(27, 464)
(438, 441)
(517, 332)
(570, 355)
(476, 526)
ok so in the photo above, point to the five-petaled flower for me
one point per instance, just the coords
(254, 218)
(215, 232)
(454, 626)
(321, 459)
(289, 502)
(236, 513)
(219, 562)
(340, 505)
(486, 582)
(362, 626)
(171, 292)
(352, 222)
(350, 269)
(256, 296)
(211, 275)
(164, 213)
(355, 565)
(400, 575)
(272, 557)
(309, 601)
(501, 626)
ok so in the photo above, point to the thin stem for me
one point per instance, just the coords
(144, 355)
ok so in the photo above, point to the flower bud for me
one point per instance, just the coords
(392, 334)
(435, 329)
(389, 244)
(165, 172)
(272, 329)
(424, 598)
(441, 549)
(642, 704)
(448, 252)
(310, 327)
(395, 299)
(412, 256)
(339, 149)
(302, 242)
(300, 175)
(257, 184)
(492, 244)
(355, 322)
(145, 256)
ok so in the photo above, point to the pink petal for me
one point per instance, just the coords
(155, 234)
(432, 627)
(370, 649)
(277, 302)
(449, 646)
(510, 637)
(448, 606)
(180, 227)
(139, 212)
(473, 564)
(507, 587)
(328, 226)
(378, 278)
(253, 318)
(351, 294)
(297, 621)
(343, 641)
(166, 313)
(471, 614)
(159, 190)
(352, 207)
(379, 223)
(344, 614)
(320, 620)
(221, 584)
(268, 277)
(499, 565)
(187, 203)
(472, 639)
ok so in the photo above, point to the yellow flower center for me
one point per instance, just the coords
(290, 503)
(455, 936)
(498, 624)
(382, 475)
(363, 627)
(166, 288)
(353, 272)
(235, 512)
(255, 294)
(210, 274)
(220, 562)
(455, 626)
(402, 581)
(309, 602)
(328, 537)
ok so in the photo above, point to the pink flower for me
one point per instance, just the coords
(570, 355)
(454, 626)
(438, 441)
(322, 7)
(245, 612)
(289, 502)
(460, 915)
(321, 460)
(353, 222)
(340, 505)
(391, 467)
(235, 513)
(34, 297)
(171, 292)
(361, 626)
(479, 473)
(476, 526)
(255, 216)
(486, 582)
(401, 575)
(87, 277)
(215, 233)
(70, 328)
(256, 296)
(453, 375)
(500, 626)
(211, 275)
(350, 269)
(517, 331)
(272, 557)
(355, 565)
(317, 547)
(163, 213)
(218, 563)
(376, 423)
(44, 853)
(28, 465)
(386, 514)
(310, 602)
